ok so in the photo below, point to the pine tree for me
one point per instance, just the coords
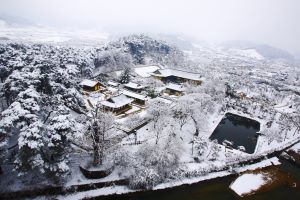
(125, 76)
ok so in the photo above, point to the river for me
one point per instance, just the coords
(218, 189)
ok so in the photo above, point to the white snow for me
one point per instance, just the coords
(285, 106)
(177, 73)
(261, 164)
(145, 71)
(117, 101)
(175, 87)
(45, 34)
(167, 101)
(296, 147)
(89, 83)
(112, 89)
(248, 183)
(134, 95)
(112, 83)
(134, 85)
(133, 110)
(251, 53)
(97, 192)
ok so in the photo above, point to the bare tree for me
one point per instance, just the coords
(158, 113)
(182, 112)
(100, 126)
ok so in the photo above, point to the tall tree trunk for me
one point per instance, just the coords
(101, 153)
(196, 126)
(96, 140)
(156, 142)
(135, 137)
(96, 155)
(297, 129)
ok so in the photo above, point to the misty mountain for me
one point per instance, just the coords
(16, 21)
(137, 49)
(265, 50)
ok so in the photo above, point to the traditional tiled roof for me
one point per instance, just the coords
(117, 101)
(175, 87)
(177, 73)
(112, 83)
(89, 83)
(145, 70)
(134, 95)
(134, 85)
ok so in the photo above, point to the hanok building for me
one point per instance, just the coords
(112, 84)
(138, 98)
(90, 85)
(174, 89)
(177, 76)
(135, 87)
(118, 104)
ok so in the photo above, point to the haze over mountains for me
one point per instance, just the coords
(20, 29)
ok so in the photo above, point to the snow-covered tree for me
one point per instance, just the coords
(101, 124)
(58, 134)
(159, 114)
(214, 150)
(155, 164)
(200, 146)
(30, 144)
(181, 111)
(125, 76)
(113, 59)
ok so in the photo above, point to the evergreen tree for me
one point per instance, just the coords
(125, 76)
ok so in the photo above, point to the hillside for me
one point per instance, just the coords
(149, 117)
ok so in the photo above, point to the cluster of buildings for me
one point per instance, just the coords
(121, 98)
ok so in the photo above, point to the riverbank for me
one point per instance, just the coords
(117, 190)
(217, 189)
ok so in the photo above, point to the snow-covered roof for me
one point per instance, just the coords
(175, 87)
(112, 83)
(168, 101)
(134, 95)
(177, 73)
(146, 70)
(89, 83)
(117, 101)
(134, 85)
(112, 89)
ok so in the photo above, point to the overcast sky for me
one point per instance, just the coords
(276, 22)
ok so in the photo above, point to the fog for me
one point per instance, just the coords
(275, 22)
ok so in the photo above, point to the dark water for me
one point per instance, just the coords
(241, 131)
(218, 189)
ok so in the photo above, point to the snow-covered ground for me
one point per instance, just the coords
(271, 98)
(251, 53)
(43, 34)
(123, 189)
(97, 192)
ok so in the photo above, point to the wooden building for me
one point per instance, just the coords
(135, 87)
(118, 104)
(113, 84)
(138, 98)
(174, 89)
(90, 85)
(177, 76)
